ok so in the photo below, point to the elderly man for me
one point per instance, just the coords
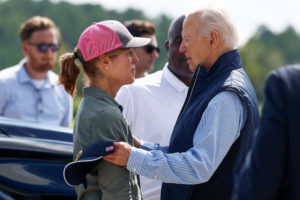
(151, 104)
(212, 133)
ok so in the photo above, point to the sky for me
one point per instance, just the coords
(247, 15)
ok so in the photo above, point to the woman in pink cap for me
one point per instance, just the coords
(104, 51)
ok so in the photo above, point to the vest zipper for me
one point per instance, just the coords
(189, 95)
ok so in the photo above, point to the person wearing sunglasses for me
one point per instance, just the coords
(148, 53)
(29, 90)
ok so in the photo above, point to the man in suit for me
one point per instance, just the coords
(271, 170)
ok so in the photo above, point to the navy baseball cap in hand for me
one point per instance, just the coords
(76, 171)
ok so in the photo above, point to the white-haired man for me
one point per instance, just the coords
(213, 130)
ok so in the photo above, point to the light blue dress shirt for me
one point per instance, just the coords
(21, 99)
(217, 130)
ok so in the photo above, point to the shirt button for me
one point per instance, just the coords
(134, 169)
(155, 177)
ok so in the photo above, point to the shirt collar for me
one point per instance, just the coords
(173, 80)
(23, 76)
(101, 95)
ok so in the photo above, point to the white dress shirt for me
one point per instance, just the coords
(151, 106)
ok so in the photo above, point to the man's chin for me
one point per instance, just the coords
(193, 67)
(149, 68)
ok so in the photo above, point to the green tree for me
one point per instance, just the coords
(266, 51)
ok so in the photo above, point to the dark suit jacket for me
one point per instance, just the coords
(272, 167)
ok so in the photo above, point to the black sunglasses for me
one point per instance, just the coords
(151, 48)
(42, 47)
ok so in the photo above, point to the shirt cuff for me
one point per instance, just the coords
(147, 145)
(136, 160)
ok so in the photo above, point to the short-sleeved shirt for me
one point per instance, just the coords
(21, 98)
(99, 118)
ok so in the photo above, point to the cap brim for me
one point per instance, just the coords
(137, 42)
(75, 172)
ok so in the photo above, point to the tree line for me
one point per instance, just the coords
(263, 52)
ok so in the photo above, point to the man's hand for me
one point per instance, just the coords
(121, 154)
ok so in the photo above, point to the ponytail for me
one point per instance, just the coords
(69, 72)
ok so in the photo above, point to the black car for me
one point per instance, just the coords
(32, 159)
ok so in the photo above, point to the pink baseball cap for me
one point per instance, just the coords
(105, 36)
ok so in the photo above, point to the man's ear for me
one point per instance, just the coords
(214, 39)
(24, 48)
(167, 46)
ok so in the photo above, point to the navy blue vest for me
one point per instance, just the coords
(226, 74)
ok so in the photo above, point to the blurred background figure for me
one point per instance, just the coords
(151, 104)
(271, 170)
(30, 90)
(147, 54)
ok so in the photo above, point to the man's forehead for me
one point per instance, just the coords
(186, 30)
(191, 26)
(45, 35)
